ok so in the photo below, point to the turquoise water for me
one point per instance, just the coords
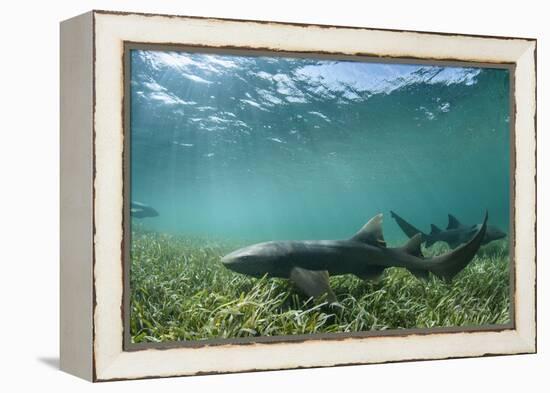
(269, 148)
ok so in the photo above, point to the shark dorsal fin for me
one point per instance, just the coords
(453, 222)
(413, 246)
(435, 229)
(371, 232)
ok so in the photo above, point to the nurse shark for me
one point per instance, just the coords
(308, 264)
(456, 233)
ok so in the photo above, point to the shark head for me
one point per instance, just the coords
(254, 260)
(493, 233)
(150, 212)
(141, 210)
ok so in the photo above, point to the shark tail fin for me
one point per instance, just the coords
(420, 274)
(406, 227)
(449, 265)
(435, 229)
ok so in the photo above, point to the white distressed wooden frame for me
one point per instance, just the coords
(92, 90)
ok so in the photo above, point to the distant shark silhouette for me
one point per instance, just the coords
(308, 264)
(455, 234)
(141, 210)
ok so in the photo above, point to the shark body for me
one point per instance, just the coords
(141, 210)
(456, 233)
(310, 263)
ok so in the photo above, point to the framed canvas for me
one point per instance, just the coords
(245, 195)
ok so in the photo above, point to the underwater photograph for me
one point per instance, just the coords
(273, 195)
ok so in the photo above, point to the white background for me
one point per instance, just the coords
(29, 182)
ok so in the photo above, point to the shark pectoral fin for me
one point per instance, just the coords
(371, 232)
(420, 274)
(312, 282)
(374, 273)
